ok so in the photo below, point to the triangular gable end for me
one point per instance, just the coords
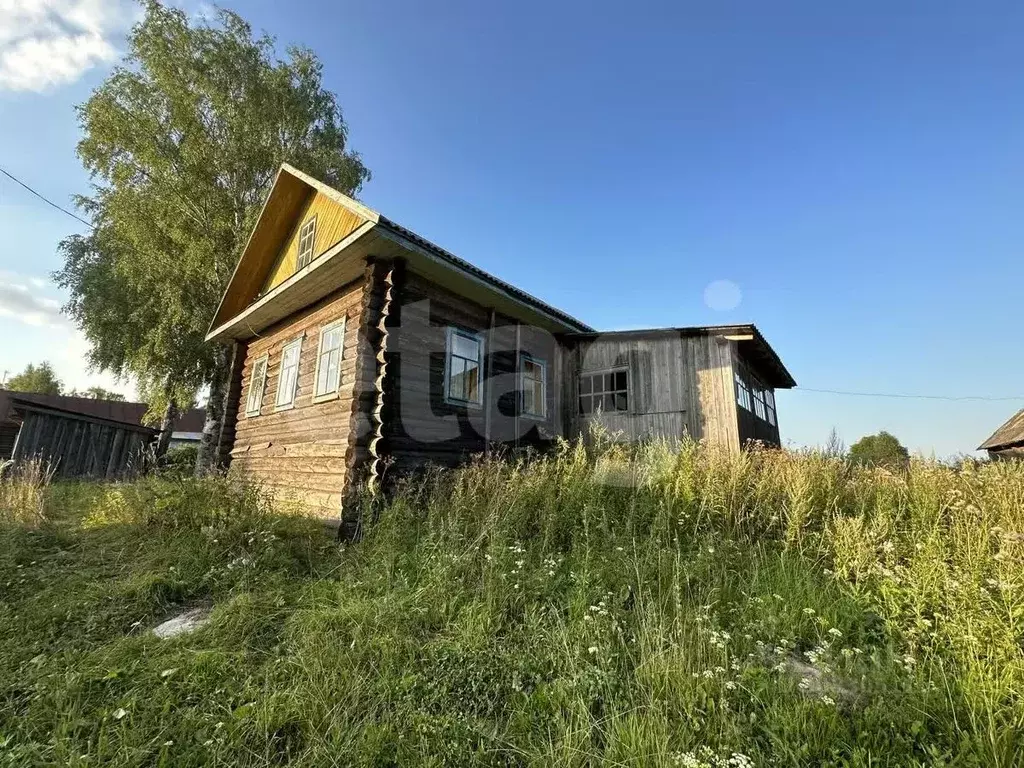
(270, 256)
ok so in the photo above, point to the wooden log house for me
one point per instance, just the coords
(358, 344)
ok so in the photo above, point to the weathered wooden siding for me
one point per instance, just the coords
(300, 453)
(678, 385)
(711, 358)
(73, 445)
(333, 223)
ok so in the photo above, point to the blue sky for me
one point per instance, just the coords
(856, 172)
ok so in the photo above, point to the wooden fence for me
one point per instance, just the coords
(76, 445)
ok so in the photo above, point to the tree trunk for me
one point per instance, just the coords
(207, 459)
(170, 418)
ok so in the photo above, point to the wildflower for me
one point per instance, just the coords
(804, 683)
(119, 713)
(828, 700)
(835, 632)
(730, 685)
(809, 611)
(592, 649)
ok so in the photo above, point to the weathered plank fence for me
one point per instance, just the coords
(77, 444)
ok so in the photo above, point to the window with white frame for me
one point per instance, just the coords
(759, 401)
(604, 392)
(464, 362)
(769, 405)
(742, 392)
(307, 238)
(328, 360)
(257, 385)
(288, 376)
(533, 386)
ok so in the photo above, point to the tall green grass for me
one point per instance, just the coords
(589, 607)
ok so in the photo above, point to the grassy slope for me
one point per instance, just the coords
(646, 613)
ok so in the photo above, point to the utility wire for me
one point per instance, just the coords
(908, 396)
(902, 396)
(46, 200)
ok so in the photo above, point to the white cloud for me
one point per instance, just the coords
(48, 335)
(22, 303)
(47, 43)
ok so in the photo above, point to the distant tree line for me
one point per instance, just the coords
(42, 379)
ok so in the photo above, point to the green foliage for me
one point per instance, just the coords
(617, 607)
(179, 462)
(182, 141)
(98, 393)
(36, 378)
(881, 450)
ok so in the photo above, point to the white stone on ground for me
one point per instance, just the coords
(183, 623)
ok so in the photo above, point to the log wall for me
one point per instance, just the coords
(301, 453)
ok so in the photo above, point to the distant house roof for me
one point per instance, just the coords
(108, 410)
(1008, 435)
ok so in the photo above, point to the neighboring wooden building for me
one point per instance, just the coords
(357, 345)
(75, 436)
(1008, 441)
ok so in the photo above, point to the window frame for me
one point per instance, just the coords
(769, 403)
(742, 387)
(333, 394)
(543, 364)
(759, 405)
(449, 352)
(311, 224)
(290, 403)
(249, 410)
(603, 372)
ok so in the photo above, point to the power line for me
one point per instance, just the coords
(905, 396)
(46, 200)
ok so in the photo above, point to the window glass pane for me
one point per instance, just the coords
(538, 396)
(620, 402)
(608, 404)
(585, 385)
(620, 380)
(457, 382)
(528, 401)
(586, 404)
(464, 347)
(598, 383)
(609, 382)
(471, 379)
(323, 375)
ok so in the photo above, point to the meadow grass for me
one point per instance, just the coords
(599, 606)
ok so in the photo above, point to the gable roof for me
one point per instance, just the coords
(1011, 433)
(243, 312)
(752, 345)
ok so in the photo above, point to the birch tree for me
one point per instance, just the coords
(182, 141)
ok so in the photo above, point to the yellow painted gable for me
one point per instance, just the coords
(334, 222)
